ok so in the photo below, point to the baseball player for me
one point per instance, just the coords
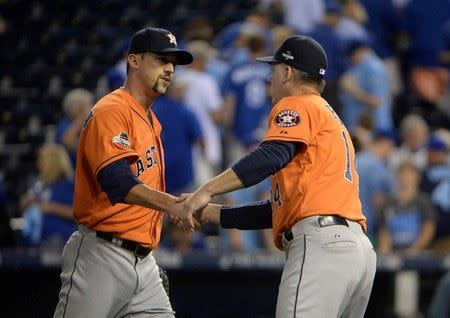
(107, 266)
(315, 211)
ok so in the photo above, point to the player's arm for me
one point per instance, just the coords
(70, 136)
(268, 158)
(252, 216)
(351, 86)
(121, 186)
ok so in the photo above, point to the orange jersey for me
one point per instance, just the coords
(118, 127)
(321, 179)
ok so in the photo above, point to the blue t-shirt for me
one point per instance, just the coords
(53, 225)
(247, 82)
(423, 21)
(382, 24)
(372, 77)
(180, 131)
(374, 177)
(404, 221)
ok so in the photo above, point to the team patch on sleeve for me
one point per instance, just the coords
(122, 139)
(287, 118)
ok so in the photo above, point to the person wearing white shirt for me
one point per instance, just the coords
(203, 97)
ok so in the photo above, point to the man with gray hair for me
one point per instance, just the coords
(414, 132)
(76, 104)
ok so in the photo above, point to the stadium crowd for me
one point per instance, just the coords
(387, 79)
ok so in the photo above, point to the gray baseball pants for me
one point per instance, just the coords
(329, 271)
(100, 279)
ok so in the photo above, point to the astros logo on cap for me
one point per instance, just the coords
(172, 38)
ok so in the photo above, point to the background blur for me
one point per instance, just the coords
(388, 79)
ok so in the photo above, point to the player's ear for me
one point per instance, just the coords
(133, 61)
(288, 73)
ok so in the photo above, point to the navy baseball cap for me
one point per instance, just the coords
(159, 41)
(436, 143)
(302, 53)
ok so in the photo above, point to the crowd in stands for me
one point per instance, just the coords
(387, 79)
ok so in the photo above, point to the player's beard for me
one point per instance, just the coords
(159, 88)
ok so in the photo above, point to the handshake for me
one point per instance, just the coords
(191, 210)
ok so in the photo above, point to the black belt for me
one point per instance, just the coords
(138, 250)
(323, 220)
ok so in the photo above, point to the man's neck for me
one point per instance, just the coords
(138, 92)
(302, 90)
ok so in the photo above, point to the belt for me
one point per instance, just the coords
(324, 221)
(138, 250)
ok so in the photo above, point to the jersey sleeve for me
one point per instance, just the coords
(290, 120)
(108, 139)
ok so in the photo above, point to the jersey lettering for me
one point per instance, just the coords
(140, 167)
(150, 156)
(348, 172)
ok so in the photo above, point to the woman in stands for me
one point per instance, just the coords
(47, 205)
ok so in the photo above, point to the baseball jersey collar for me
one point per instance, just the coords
(135, 105)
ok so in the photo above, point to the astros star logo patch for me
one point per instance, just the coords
(287, 118)
(172, 38)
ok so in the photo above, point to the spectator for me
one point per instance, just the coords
(365, 88)
(202, 96)
(423, 25)
(246, 103)
(200, 29)
(351, 25)
(414, 133)
(444, 56)
(76, 105)
(407, 219)
(180, 134)
(303, 15)
(116, 74)
(326, 34)
(436, 184)
(280, 32)
(374, 188)
(230, 47)
(47, 205)
(383, 25)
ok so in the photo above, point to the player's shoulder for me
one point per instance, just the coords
(306, 101)
(112, 102)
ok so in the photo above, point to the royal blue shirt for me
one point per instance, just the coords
(247, 82)
(53, 225)
(423, 20)
(180, 131)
